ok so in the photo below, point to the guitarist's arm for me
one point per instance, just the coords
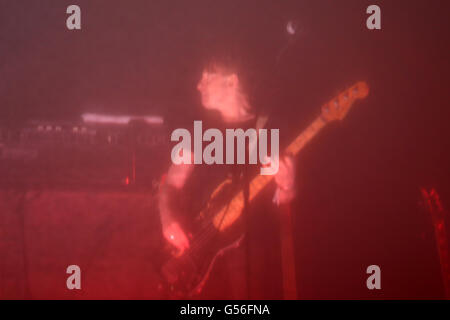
(174, 180)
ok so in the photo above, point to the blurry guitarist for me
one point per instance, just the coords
(185, 188)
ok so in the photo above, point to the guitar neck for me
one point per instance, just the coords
(259, 182)
(229, 214)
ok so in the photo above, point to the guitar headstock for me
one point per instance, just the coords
(338, 107)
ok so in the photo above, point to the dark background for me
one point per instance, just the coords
(359, 182)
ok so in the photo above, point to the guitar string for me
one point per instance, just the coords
(207, 228)
(210, 228)
(202, 238)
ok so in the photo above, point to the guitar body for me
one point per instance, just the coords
(186, 274)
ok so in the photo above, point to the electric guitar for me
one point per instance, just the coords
(220, 227)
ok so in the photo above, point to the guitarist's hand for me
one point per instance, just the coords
(285, 180)
(176, 236)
